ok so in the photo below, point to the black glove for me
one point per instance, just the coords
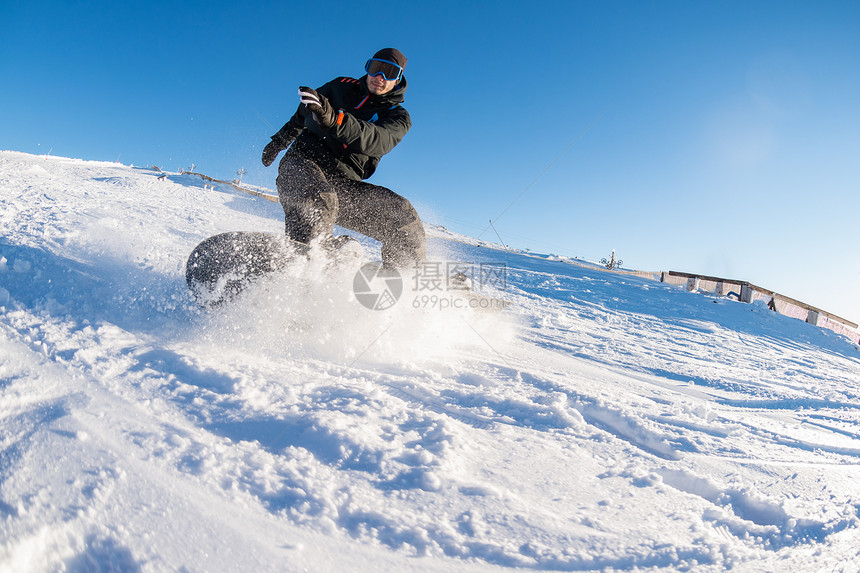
(318, 105)
(270, 152)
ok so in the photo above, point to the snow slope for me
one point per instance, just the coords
(602, 422)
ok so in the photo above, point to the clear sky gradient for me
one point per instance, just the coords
(714, 137)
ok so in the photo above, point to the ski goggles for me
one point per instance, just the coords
(389, 70)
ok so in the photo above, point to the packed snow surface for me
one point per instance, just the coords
(600, 422)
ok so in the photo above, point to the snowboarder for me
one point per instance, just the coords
(338, 135)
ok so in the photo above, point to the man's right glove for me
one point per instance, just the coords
(316, 103)
(270, 152)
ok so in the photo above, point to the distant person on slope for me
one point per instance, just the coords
(338, 136)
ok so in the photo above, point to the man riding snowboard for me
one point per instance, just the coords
(338, 136)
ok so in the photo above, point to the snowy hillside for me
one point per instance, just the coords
(601, 422)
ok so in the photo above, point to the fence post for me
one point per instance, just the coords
(746, 293)
(812, 318)
(693, 283)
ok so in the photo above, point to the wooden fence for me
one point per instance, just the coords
(748, 292)
(235, 185)
(745, 292)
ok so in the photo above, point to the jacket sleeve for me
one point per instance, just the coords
(291, 129)
(374, 139)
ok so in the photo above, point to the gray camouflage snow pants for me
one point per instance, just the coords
(315, 200)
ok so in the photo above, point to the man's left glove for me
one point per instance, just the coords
(271, 151)
(318, 105)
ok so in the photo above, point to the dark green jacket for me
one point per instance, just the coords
(369, 128)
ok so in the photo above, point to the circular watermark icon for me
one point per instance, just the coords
(377, 288)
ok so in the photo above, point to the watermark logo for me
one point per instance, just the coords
(435, 284)
(377, 288)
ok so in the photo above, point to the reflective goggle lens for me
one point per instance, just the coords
(389, 70)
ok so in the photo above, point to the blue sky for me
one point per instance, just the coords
(714, 137)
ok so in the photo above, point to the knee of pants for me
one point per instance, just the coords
(404, 245)
(403, 226)
(314, 215)
(403, 254)
(403, 214)
(298, 178)
(295, 189)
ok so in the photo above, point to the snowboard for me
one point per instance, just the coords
(222, 266)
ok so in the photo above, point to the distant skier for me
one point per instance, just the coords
(338, 136)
